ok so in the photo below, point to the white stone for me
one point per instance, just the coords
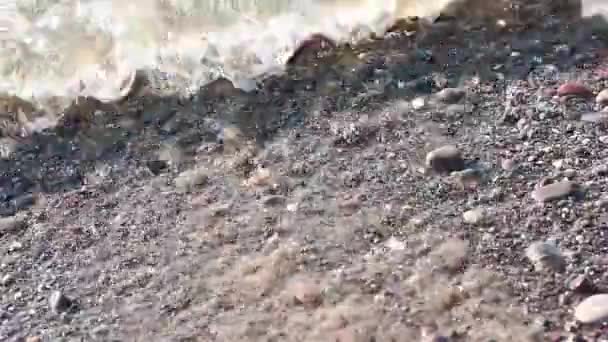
(593, 309)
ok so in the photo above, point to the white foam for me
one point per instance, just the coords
(70, 48)
(594, 7)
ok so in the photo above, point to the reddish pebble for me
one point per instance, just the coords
(573, 89)
(315, 43)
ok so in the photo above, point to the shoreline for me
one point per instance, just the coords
(446, 187)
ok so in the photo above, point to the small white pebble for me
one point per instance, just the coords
(418, 103)
(292, 207)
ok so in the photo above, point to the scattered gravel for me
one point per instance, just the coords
(445, 186)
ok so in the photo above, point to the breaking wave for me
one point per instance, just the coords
(70, 48)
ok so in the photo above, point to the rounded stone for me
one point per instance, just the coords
(58, 302)
(602, 97)
(450, 95)
(445, 159)
(474, 216)
(306, 292)
(593, 309)
(554, 191)
(596, 117)
(546, 256)
(573, 89)
(190, 179)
